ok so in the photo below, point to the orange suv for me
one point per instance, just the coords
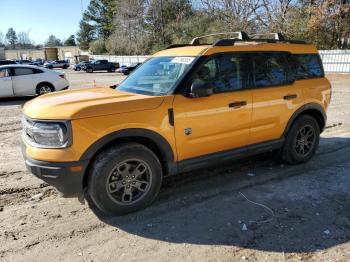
(187, 107)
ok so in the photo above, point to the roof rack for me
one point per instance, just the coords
(241, 36)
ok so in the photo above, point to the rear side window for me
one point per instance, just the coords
(307, 66)
(270, 69)
(20, 71)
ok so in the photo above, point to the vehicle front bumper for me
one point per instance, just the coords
(66, 177)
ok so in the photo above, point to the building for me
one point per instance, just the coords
(71, 53)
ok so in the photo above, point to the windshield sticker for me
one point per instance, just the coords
(182, 60)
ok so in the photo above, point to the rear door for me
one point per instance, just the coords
(276, 95)
(5, 83)
(24, 81)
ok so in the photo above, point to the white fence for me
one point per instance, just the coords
(122, 60)
(334, 61)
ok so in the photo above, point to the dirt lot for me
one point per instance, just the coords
(199, 216)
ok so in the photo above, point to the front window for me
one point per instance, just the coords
(157, 76)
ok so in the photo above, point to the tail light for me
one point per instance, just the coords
(63, 76)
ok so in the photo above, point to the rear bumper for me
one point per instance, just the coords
(66, 177)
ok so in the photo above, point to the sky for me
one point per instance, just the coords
(42, 18)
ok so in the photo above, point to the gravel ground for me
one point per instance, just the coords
(205, 215)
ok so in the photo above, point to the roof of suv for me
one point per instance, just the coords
(193, 50)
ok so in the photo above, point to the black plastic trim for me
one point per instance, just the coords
(300, 111)
(160, 141)
(228, 155)
(171, 116)
(58, 174)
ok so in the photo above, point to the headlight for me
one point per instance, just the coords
(47, 134)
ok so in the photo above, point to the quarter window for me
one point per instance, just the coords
(307, 66)
(270, 69)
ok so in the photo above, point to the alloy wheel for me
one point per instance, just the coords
(44, 90)
(305, 140)
(129, 181)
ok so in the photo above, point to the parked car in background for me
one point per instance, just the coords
(128, 69)
(37, 62)
(100, 65)
(27, 80)
(78, 67)
(7, 62)
(57, 64)
(23, 61)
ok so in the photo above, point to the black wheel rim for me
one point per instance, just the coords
(129, 181)
(305, 140)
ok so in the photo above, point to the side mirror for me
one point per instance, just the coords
(200, 89)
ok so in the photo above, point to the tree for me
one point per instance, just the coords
(11, 37)
(98, 47)
(53, 41)
(85, 35)
(2, 42)
(129, 36)
(97, 22)
(70, 41)
(24, 40)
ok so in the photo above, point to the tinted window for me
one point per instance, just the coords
(19, 71)
(226, 72)
(37, 71)
(270, 69)
(307, 66)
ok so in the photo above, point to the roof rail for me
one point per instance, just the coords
(240, 35)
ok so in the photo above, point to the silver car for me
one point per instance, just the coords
(57, 64)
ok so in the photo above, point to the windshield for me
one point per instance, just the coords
(157, 76)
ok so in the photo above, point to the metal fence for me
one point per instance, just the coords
(334, 61)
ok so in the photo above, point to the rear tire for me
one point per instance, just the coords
(112, 69)
(302, 140)
(124, 179)
(44, 88)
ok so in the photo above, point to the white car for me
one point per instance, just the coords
(26, 80)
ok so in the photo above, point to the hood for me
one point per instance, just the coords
(88, 102)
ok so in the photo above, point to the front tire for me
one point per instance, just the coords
(302, 140)
(89, 70)
(124, 179)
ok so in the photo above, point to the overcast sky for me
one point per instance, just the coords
(42, 18)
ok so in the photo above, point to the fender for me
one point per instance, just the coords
(301, 110)
(161, 143)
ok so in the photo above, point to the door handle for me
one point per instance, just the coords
(237, 104)
(290, 97)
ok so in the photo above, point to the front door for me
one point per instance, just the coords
(5, 83)
(220, 121)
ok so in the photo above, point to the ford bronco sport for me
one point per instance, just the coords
(187, 107)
